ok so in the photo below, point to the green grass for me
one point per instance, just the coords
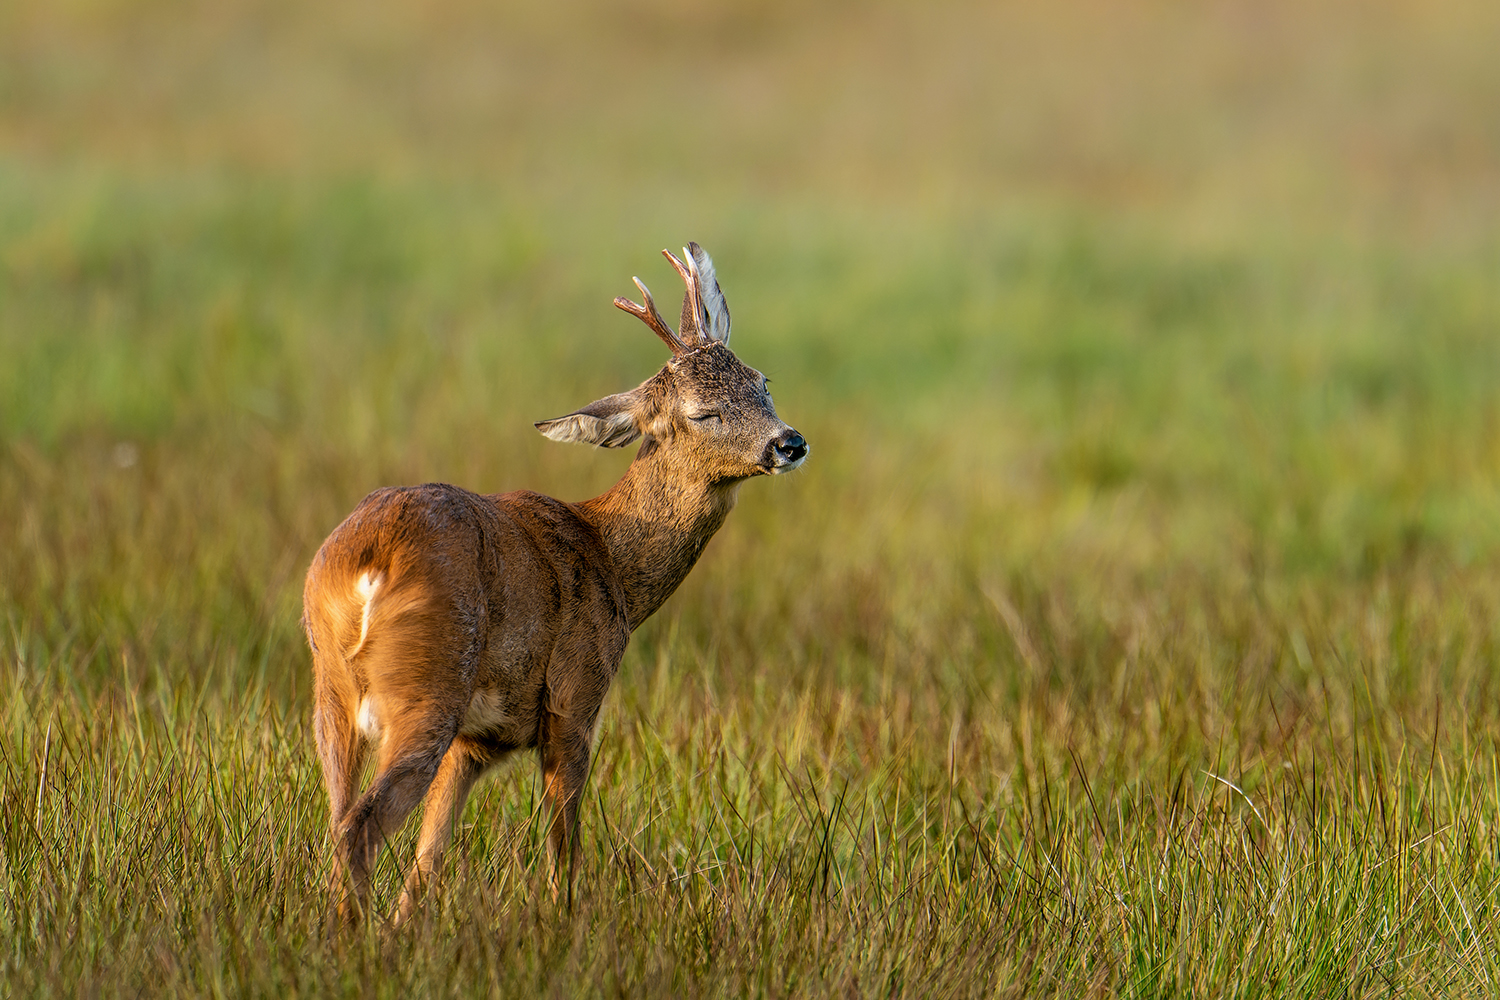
(1134, 627)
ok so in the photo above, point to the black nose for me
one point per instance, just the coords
(793, 448)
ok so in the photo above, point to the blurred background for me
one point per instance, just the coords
(1134, 622)
(1107, 322)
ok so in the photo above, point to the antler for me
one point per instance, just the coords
(705, 314)
(647, 314)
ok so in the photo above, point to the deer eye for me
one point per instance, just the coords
(703, 418)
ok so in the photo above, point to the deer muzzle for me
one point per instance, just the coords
(786, 451)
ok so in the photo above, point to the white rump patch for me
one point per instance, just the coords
(367, 719)
(366, 587)
(486, 713)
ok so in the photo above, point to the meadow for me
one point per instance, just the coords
(1133, 628)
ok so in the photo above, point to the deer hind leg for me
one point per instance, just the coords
(341, 749)
(411, 751)
(461, 767)
(418, 652)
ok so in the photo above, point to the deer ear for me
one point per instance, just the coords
(715, 309)
(609, 423)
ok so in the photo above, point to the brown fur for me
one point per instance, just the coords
(467, 627)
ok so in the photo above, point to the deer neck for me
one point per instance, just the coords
(656, 521)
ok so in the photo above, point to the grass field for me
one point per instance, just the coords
(1134, 627)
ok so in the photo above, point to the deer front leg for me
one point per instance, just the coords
(565, 767)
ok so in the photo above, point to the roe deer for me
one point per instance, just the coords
(449, 629)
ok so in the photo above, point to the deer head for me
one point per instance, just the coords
(705, 409)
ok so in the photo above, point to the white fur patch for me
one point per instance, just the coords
(366, 587)
(367, 719)
(486, 713)
(789, 466)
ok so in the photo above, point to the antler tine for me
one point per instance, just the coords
(647, 314)
(692, 303)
